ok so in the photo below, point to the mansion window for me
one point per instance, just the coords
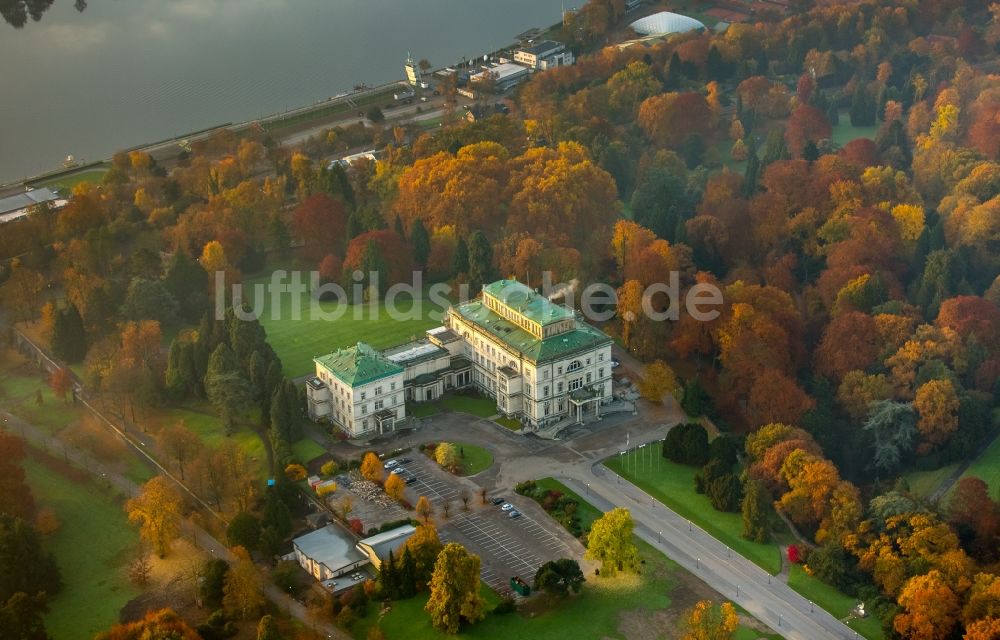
(588, 378)
(559, 387)
(575, 384)
(547, 408)
(588, 360)
(364, 408)
(392, 387)
(600, 357)
(573, 366)
(378, 391)
(378, 405)
(363, 394)
(600, 372)
(545, 391)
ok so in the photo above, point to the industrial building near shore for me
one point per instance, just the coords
(538, 360)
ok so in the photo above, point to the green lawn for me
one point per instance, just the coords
(209, 428)
(306, 450)
(67, 182)
(987, 467)
(422, 409)
(845, 131)
(595, 613)
(92, 547)
(510, 423)
(829, 598)
(19, 395)
(298, 341)
(923, 483)
(673, 484)
(475, 405)
(586, 511)
(472, 459)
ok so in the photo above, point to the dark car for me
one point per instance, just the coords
(498, 501)
(404, 460)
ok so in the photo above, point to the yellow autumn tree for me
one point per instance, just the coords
(394, 486)
(657, 380)
(937, 403)
(707, 621)
(371, 468)
(910, 218)
(157, 510)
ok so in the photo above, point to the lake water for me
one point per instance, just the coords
(122, 73)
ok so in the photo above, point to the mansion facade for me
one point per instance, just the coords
(539, 360)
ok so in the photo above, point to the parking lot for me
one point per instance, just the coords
(438, 485)
(507, 546)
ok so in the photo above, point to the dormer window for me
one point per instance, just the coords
(573, 366)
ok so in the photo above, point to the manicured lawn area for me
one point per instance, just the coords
(472, 459)
(837, 603)
(298, 340)
(673, 484)
(923, 483)
(987, 467)
(211, 431)
(66, 183)
(586, 511)
(845, 131)
(595, 613)
(92, 548)
(510, 423)
(306, 450)
(476, 405)
(19, 387)
(422, 409)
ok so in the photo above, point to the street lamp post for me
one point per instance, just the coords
(659, 535)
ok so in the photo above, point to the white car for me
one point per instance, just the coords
(397, 470)
(389, 464)
(506, 506)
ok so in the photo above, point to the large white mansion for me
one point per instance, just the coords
(539, 360)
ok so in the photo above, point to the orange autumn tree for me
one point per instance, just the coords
(937, 403)
(155, 625)
(931, 608)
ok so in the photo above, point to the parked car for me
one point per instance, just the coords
(409, 479)
(498, 501)
(404, 460)
(389, 464)
(507, 507)
(514, 513)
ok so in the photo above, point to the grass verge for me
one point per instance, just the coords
(673, 485)
(832, 600)
(92, 547)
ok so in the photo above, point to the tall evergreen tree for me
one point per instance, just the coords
(69, 338)
(421, 243)
(286, 415)
(480, 260)
(226, 386)
(407, 574)
(461, 261)
(25, 566)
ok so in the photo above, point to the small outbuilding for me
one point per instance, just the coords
(377, 547)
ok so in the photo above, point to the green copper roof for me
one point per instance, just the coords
(560, 345)
(358, 365)
(527, 302)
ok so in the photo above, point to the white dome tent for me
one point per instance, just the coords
(665, 23)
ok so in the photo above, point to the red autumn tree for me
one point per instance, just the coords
(860, 153)
(850, 342)
(394, 252)
(807, 124)
(775, 397)
(318, 222)
(971, 316)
